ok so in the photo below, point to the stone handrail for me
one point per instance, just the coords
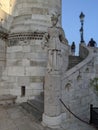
(83, 51)
(87, 59)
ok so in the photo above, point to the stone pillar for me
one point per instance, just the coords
(55, 42)
(52, 107)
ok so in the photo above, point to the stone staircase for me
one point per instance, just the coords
(35, 107)
(74, 60)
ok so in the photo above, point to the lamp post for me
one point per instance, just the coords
(81, 29)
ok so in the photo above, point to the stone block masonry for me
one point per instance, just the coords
(23, 63)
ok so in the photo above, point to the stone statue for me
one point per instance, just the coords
(53, 40)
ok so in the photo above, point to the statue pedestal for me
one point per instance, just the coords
(52, 122)
(52, 94)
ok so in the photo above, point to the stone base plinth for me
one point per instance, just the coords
(7, 99)
(52, 122)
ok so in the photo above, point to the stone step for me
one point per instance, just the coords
(74, 60)
(37, 115)
(37, 104)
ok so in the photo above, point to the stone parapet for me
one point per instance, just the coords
(88, 59)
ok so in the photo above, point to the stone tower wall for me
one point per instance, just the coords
(34, 15)
(25, 58)
(2, 56)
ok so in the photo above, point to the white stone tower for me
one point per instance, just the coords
(25, 59)
(33, 15)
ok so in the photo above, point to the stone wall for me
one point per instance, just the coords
(25, 66)
(2, 56)
(3, 18)
(77, 93)
(34, 15)
(25, 59)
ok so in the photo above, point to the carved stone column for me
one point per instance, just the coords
(52, 107)
(56, 44)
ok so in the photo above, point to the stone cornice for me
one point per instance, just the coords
(20, 38)
(26, 36)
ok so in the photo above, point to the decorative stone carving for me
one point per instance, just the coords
(23, 38)
(68, 86)
(53, 40)
(79, 77)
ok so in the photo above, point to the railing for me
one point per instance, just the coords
(73, 113)
(94, 115)
(90, 57)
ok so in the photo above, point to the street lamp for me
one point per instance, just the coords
(81, 29)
